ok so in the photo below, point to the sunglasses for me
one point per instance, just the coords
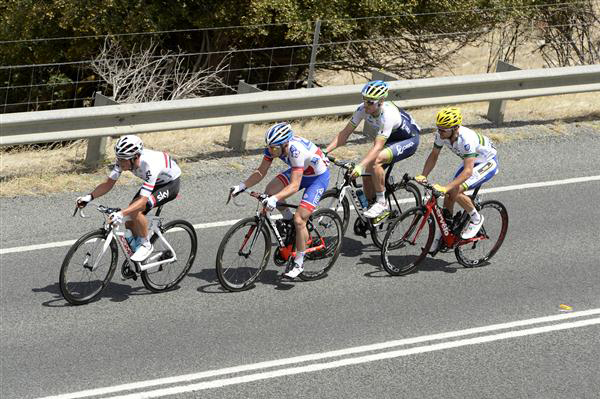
(444, 130)
(370, 102)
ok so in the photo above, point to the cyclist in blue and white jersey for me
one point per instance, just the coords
(308, 170)
(160, 174)
(396, 138)
(480, 164)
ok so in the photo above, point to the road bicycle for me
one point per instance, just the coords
(399, 196)
(246, 247)
(91, 261)
(409, 239)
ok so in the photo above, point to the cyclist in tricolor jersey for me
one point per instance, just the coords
(160, 175)
(396, 138)
(480, 164)
(308, 170)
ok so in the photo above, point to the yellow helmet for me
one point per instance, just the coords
(448, 117)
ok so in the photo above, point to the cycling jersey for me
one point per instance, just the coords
(302, 155)
(392, 123)
(469, 144)
(156, 168)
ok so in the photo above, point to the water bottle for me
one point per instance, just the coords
(362, 198)
(131, 240)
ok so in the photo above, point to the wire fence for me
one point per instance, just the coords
(72, 83)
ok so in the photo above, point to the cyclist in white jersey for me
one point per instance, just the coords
(160, 175)
(396, 138)
(480, 164)
(308, 170)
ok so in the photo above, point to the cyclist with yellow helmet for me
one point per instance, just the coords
(480, 164)
(396, 137)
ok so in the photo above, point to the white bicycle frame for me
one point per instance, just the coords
(119, 235)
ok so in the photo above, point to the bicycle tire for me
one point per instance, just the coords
(333, 244)
(330, 200)
(150, 277)
(397, 256)
(69, 289)
(379, 231)
(486, 230)
(222, 265)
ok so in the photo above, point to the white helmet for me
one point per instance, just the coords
(279, 134)
(128, 147)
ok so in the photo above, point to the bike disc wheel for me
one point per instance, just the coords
(325, 226)
(243, 254)
(407, 242)
(79, 284)
(493, 232)
(181, 235)
(403, 197)
(330, 200)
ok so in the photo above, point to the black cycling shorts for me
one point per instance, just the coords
(161, 195)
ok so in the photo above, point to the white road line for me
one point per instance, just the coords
(230, 222)
(327, 355)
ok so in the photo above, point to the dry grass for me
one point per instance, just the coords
(32, 171)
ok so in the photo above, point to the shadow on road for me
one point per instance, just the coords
(115, 292)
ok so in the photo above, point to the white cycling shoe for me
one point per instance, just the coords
(142, 252)
(376, 210)
(294, 272)
(472, 229)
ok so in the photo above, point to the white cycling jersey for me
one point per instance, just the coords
(469, 144)
(156, 168)
(393, 124)
(303, 155)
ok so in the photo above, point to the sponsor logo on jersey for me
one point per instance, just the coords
(294, 151)
(467, 147)
(148, 175)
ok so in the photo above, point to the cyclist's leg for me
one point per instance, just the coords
(276, 185)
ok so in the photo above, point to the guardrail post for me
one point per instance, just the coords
(96, 148)
(313, 54)
(495, 112)
(238, 133)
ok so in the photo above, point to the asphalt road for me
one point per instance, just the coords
(198, 334)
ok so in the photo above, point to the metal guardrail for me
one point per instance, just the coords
(44, 126)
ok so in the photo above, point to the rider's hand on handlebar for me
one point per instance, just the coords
(440, 188)
(357, 171)
(270, 203)
(115, 217)
(83, 201)
(235, 190)
(421, 179)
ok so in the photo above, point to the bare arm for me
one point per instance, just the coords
(341, 138)
(291, 188)
(469, 163)
(431, 161)
(103, 188)
(258, 174)
(371, 156)
(136, 206)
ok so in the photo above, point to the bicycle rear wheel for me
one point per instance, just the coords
(407, 242)
(181, 235)
(243, 254)
(330, 200)
(491, 236)
(79, 284)
(324, 227)
(402, 198)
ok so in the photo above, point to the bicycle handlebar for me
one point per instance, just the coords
(259, 196)
(348, 165)
(428, 186)
(100, 208)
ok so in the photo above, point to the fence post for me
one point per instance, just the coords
(96, 147)
(313, 54)
(496, 107)
(238, 133)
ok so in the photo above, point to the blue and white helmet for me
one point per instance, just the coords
(279, 134)
(375, 90)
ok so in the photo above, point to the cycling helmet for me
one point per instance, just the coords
(375, 90)
(128, 147)
(279, 134)
(448, 117)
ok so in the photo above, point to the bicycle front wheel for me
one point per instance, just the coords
(330, 200)
(490, 237)
(181, 235)
(407, 242)
(324, 229)
(243, 254)
(88, 267)
(402, 198)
